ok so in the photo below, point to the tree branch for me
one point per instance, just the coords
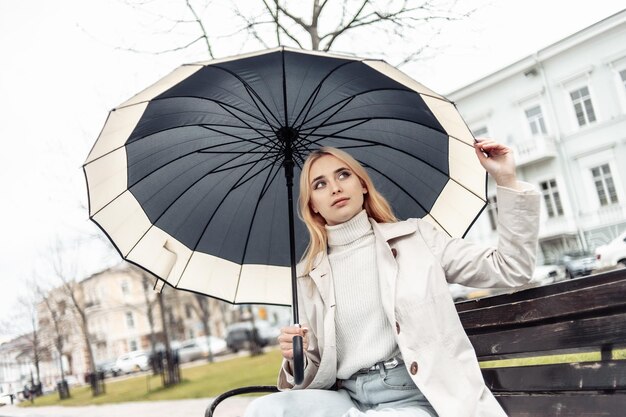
(202, 29)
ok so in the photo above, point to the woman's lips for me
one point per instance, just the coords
(341, 202)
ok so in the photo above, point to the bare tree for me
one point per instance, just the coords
(25, 318)
(203, 310)
(55, 311)
(150, 301)
(319, 25)
(66, 274)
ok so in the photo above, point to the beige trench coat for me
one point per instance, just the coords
(416, 261)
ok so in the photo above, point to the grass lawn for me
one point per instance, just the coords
(618, 354)
(201, 381)
(213, 379)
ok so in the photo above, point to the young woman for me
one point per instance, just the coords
(381, 333)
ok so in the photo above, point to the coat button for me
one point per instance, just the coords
(394, 252)
(398, 327)
(413, 368)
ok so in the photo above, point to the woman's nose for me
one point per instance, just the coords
(336, 187)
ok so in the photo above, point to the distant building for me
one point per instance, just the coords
(563, 110)
(119, 303)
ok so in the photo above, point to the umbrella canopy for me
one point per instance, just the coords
(188, 180)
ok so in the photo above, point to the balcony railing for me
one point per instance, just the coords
(604, 216)
(554, 226)
(530, 150)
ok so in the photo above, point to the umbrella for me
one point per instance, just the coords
(192, 179)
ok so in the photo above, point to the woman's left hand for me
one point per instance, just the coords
(498, 161)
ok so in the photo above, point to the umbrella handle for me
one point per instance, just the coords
(298, 360)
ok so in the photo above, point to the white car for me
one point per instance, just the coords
(613, 253)
(132, 362)
(547, 274)
(198, 348)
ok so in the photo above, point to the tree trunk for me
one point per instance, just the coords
(171, 377)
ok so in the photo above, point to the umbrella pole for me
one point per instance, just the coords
(298, 355)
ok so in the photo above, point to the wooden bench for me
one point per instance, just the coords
(575, 316)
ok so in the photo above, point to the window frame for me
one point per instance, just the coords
(544, 122)
(605, 187)
(583, 101)
(548, 194)
(130, 320)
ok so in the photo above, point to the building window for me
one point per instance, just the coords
(535, 121)
(492, 211)
(130, 320)
(605, 187)
(132, 345)
(125, 289)
(552, 198)
(481, 131)
(582, 106)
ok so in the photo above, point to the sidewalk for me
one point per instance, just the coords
(232, 407)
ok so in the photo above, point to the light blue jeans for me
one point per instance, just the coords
(384, 392)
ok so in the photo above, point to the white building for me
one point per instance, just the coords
(563, 110)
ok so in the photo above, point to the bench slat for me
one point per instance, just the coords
(543, 291)
(572, 334)
(586, 376)
(590, 300)
(572, 405)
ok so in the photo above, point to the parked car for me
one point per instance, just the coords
(542, 275)
(613, 253)
(132, 362)
(578, 264)
(547, 274)
(238, 335)
(108, 367)
(198, 348)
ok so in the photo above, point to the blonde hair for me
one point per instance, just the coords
(374, 203)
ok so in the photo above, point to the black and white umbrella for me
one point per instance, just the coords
(189, 177)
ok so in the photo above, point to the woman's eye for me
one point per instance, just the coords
(344, 174)
(318, 185)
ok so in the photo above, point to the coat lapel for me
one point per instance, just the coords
(321, 276)
(386, 262)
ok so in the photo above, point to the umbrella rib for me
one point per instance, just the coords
(328, 118)
(172, 203)
(240, 183)
(252, 94)
(170, 162)
(250, 140)
(360, 94)
(311, 100)
(388, 118)
(239, 127)
(383, 145)
(406, 192)
(256, 207)
(172, 128)
(311, 142)
(195, 246)
(244, 122)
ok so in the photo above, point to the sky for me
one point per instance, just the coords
(65, 64)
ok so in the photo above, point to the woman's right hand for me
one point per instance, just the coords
(285, 340)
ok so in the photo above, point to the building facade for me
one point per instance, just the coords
(563, 111)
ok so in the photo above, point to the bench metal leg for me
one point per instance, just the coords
(238, 391)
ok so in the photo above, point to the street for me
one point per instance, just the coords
(232, 407)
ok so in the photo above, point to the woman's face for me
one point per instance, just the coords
(336, 192)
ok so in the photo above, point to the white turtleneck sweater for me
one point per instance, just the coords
(364, 335)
